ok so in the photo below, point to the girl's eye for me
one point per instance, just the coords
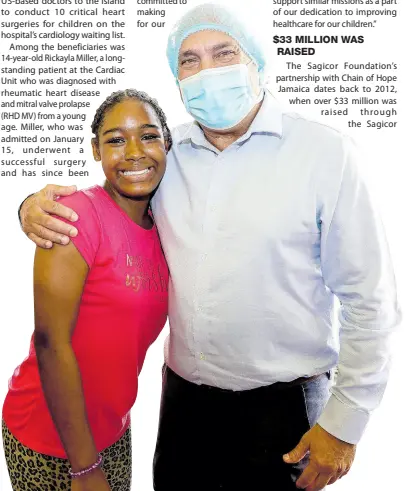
(115, 140)
(150, 136)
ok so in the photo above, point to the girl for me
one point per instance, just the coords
(99, 304)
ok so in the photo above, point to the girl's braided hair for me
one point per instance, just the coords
(121, 95)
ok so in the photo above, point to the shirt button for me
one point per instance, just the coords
(202, 356)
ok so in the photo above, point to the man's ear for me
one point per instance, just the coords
(254, 76)
(96, 150)
(181, 95)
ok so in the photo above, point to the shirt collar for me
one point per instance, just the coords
(194, 134)
(268, 121)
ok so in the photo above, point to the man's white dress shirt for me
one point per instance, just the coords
(259, 238)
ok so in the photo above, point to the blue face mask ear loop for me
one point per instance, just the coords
(261, 84)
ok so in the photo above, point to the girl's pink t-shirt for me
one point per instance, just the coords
(122, 311)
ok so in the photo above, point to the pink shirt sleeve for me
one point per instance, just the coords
(88, 240)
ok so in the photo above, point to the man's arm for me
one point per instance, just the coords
(356, 266)
(37, 222)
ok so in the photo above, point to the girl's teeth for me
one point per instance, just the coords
(135, 172)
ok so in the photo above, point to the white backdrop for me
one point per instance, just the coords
(379, 458)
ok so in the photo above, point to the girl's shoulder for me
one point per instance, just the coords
(83, 199)
(88, 205)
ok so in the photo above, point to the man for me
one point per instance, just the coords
(263, 218)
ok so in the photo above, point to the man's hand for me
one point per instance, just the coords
(95, 481)
(37, 223)
(329, 459)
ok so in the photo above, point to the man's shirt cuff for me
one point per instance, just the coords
(342, 421)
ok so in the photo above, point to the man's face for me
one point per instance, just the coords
(214, 50)
(209, 49)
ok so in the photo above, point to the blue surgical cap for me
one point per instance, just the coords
(210, 16)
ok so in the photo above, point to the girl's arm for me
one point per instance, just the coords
(59, 277)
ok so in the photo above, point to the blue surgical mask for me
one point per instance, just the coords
(219, 98)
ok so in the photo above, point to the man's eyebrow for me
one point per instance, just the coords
(188, 52)
(226, 44)
(142, 127)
